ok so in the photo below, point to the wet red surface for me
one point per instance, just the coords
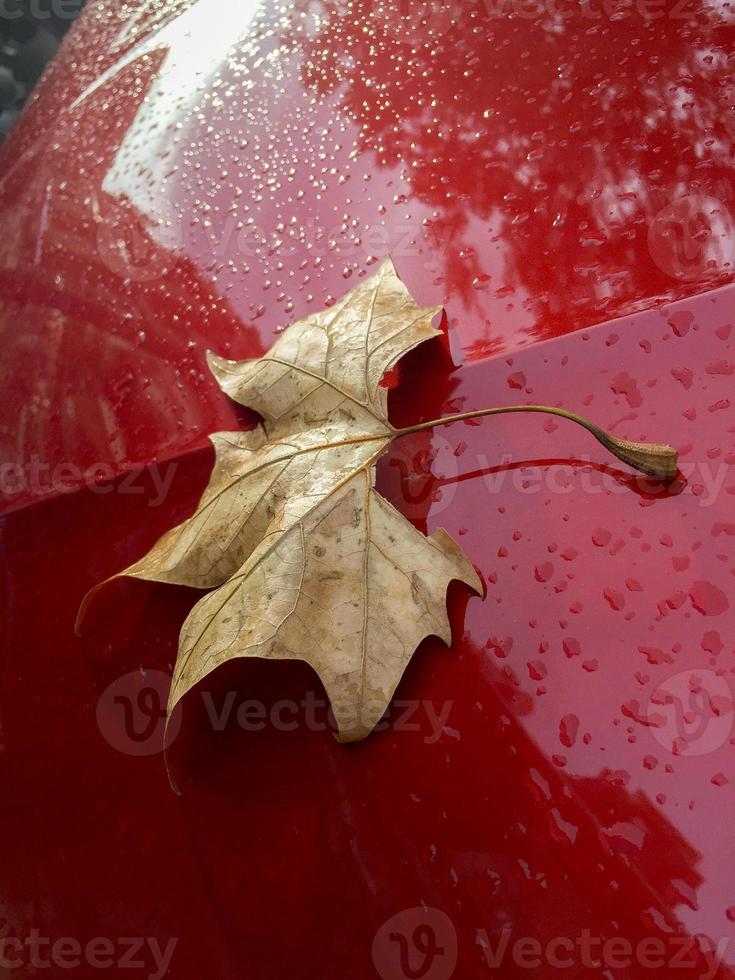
(566, 770)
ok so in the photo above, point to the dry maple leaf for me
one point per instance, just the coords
(307, 561)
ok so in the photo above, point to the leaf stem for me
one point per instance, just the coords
(656, 459)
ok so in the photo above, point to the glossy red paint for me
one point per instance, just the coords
(568, 773)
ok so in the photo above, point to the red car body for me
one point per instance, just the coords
(553, 795)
